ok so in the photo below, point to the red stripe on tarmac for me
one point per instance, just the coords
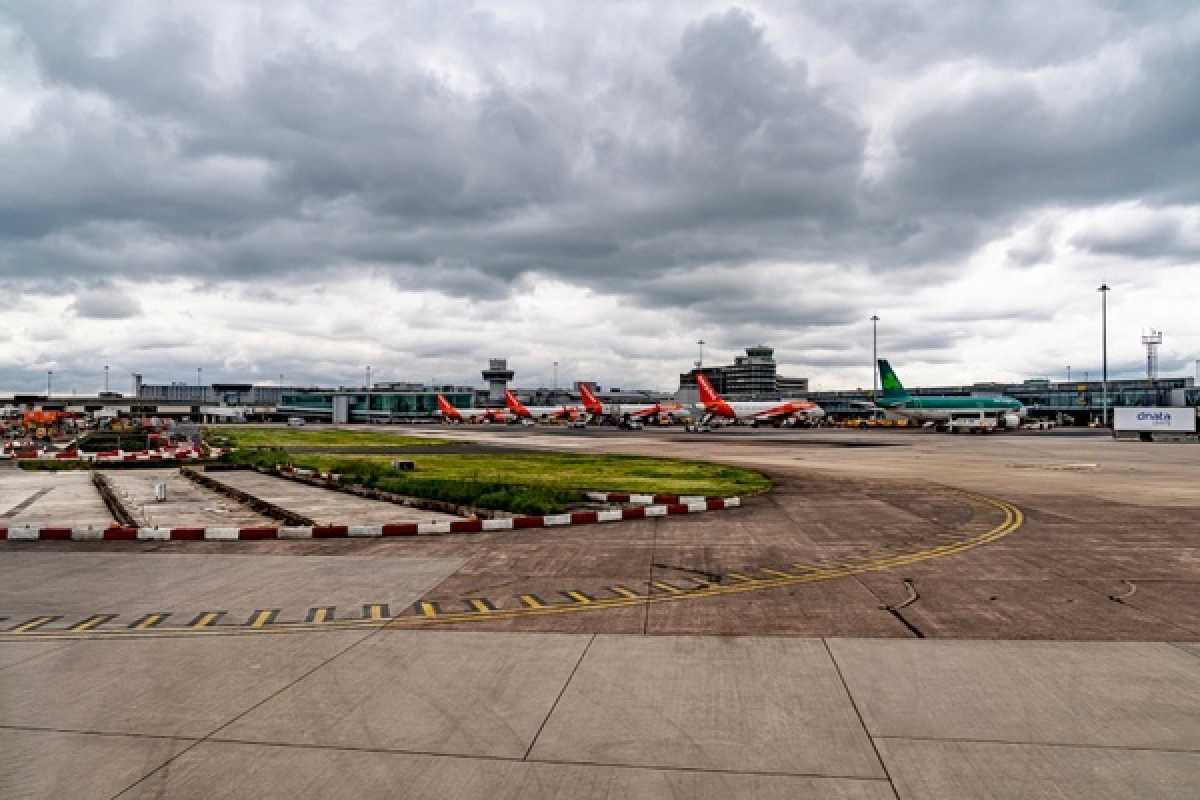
(583, 517)
(466, 526)
(56, 534)
(258, 533)
(528, 522)
(633, 513)
(665, 499)
(120, 534)
(3, 533)
(714, 504)
(400, 529)
(187, 534)
(676, 508)
(618, 498)
(330, 532)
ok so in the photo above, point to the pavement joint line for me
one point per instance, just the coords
(837, 668)
(431, 613)
(1036, 743)
(559, 697)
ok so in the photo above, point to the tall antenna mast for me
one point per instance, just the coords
(1152, 340)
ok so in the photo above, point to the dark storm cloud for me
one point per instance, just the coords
(318, 157)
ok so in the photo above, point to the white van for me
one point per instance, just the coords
(295, 422)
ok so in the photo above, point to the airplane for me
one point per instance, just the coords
(521, 411)
(450, 413)
(942, 410)
(717, 408)
(596, 409)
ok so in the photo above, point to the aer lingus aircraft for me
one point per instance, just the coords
(943, 410)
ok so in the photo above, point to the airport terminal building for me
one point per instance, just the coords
(1067, 402)
(753, 376)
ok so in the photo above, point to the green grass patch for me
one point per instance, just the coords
(58, 465)
(263, 436)
(531, 483)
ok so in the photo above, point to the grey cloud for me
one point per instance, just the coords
(1158, 236)
(467, 153)
(106, 303)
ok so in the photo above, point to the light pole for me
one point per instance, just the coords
(368, 393)
(1104, 290)
(874, 356)
(556, 376)
(106, 378)
(1068, 373)
(700, 362)
(49, 376)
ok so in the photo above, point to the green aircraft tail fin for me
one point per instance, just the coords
(892, 388)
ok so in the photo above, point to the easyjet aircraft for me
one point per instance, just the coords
(521, 411)
(716, 408)
(451, 414)
(595, 408)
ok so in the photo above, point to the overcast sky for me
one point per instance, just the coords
(305, 188)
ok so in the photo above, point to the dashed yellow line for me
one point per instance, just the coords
(430, 612)
(92, 622)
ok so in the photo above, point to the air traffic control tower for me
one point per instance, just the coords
(497, 376)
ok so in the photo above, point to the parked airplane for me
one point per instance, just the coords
(596, 409)
(943, 410)
(717, 408)
(521, 411)
(452, 414)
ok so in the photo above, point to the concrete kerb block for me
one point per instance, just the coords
(154, 534)
(498, 524)
(656, 511)
(696, 506)
(221, 534)
(609, 516)
(424, 528)
(365, 531)
(641, 499)
(25, 534)
(88, 534)
(295, 532)
(551, 520)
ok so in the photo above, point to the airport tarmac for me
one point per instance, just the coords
(324, 506)
(187, 503)
(63, 498)
(906, 615)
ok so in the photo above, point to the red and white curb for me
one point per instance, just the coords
(695, 505)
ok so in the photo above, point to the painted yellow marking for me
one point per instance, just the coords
(92, 622)
(666, 587)
(375, 611)
(805, 567)
(148, 621)
(624, 592)
(774, 573)
(33, 624)
(263, 618)
(531, 601)
(320, 615)
(431, 614)
(207, 618)
(482, 606)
